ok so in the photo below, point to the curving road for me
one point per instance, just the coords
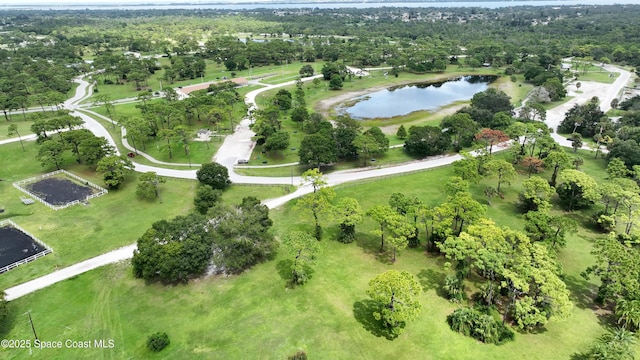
(239, 145)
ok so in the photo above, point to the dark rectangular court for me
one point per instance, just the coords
(15, 246)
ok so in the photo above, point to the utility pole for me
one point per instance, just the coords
(31, 322)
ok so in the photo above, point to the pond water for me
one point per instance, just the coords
(402, 100)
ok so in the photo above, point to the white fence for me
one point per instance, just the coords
(18, 185)
(46, 250)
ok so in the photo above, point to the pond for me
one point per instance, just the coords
(402, 100)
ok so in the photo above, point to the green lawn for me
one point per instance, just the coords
(108, 222)
(199, 152)
(273, 74)
(598, 76)
(24, 127)
(393, 156)
(255, 316)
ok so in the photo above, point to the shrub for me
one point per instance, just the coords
(300, 355)
(454, 287)
(347, 233)
(473, 322)
(158, 341)
(606, 223)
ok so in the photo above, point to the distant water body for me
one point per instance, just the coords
(167, 5)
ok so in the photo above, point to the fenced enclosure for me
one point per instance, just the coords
(17, 246)
(56, 192)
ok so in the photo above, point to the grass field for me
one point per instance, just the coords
(273, 74)
(599, 76)
(256, 316)
(108, 222)
(393, 156)
(24, 127)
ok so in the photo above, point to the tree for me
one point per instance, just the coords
(214, 175)
(306, 70)
(173, 250)
(304, 248)
(550, 230)
(278, 141)
(395, 294)
(628, 313)
(459, 211)
(206, 197)
(577, 189)
(299, 114)
(536, 195)
(427, 141)
(241, 237)
(332, 68)
(50, 152)
(616, 345)
(336, 82)
(461, 127)
(490, 137)
(149, 185)
(319, 201)
(371, 142)
(534, 111)
(13, 130)
(348, 213)
(558, 160)
(617, 266)
(511, 266)
(400, 233)
(93, 148)
(576, 141)
(381, 214)
(627, 150)
(114, 168)
(616, 168)
(401, 133)
(501, 169)
(493, 100)
(300, 355)
(473, 322)
(283, 99)
(533, 164)
(586, 119)
(467, 168)
(317, 149)
(455, 185)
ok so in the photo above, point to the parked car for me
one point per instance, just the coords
(243, 161)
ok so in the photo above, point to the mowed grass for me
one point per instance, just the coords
(24, 127)
(272, 74)
(80, 232)
(599, 76)
(256, 316)
(391, 157)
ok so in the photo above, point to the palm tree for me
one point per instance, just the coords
(628, 313)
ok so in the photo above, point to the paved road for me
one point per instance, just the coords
(589, 89)
(238, 144)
